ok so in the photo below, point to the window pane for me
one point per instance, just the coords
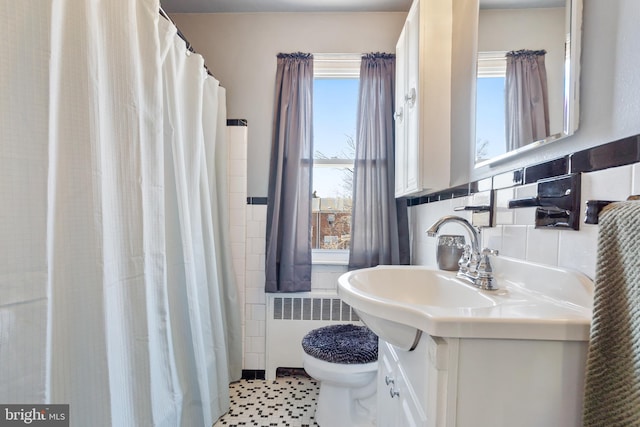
(331, 213)
(335, 103)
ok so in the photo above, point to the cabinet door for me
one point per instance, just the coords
(411, 412)
(424, 94)
(388, 405)
(413, 173)
(407, 152)
(400, 140)
(398, 402)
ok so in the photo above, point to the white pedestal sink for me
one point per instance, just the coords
(533, 301)
(451, 355)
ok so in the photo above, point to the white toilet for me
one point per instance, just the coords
(343, 358)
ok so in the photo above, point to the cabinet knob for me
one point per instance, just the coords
(410, 98)
(398, 115)
(393, 393)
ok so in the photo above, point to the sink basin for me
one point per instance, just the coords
(534, 301)
(422, 286)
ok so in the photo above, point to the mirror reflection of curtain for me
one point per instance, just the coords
(288, 257)
(379, 224)
(526, 98)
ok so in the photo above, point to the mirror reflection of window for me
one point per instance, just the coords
(512, 25)
(490, 105)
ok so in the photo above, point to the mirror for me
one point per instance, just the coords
(523, 46)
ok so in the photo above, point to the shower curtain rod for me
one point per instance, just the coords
(188, 45)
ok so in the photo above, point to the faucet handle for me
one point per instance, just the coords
(464, 259)
(485, 278)
(487, 251)
(484, 265)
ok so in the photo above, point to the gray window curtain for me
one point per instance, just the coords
(379, 225)
(527, 110)
(288, 242)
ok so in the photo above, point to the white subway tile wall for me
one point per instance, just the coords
(515, 234)
(514, 241)
(254, 349)
(524, 216)
(542, 245)
(608, 184)
(635, 179)
(504, 215)
(237, 187)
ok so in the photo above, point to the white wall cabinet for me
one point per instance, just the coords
(423, 93)
(456, 382)
(430, 92)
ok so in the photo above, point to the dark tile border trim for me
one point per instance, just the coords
(237, 122)
(622, 152)
(256, 200)
(618, 153)
(555, 167)
(253, 374)
(449, 193)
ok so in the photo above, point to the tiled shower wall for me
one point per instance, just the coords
(237, 186)
(255, 310)
(515, 235)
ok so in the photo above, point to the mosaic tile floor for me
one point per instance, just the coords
(287, 401)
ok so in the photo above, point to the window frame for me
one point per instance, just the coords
(334, 66)
(492, 64)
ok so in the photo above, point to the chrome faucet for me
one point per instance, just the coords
(474, 265)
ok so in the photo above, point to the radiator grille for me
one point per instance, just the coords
(290, 316)
(330, 309)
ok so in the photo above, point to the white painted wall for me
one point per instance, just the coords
(240, 50)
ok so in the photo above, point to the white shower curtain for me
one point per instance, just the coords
(115, 294)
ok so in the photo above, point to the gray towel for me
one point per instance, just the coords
(612, 385)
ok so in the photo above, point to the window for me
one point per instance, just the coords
(490, 108)
(335, 103)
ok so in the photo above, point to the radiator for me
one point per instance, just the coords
(290, 316)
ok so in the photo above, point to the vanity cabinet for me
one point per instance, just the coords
(412, 385)
(463, 382)
(429, 89)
